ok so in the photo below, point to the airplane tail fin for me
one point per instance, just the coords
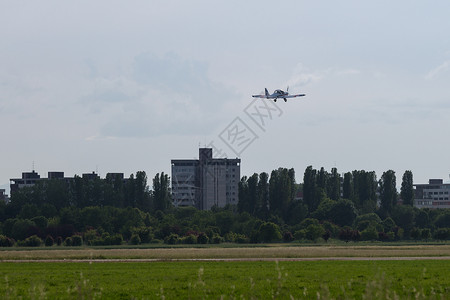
(267, 92)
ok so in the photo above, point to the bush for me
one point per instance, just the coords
(288, 237)
(32, 241)
(68, 241)
(425, 234)
(189, 239)
(172, 239)
(145, 233)
(77, 240)
(49, 241)
(269, 232)
(348, 234)
(202, 238)
(115, 239)
(241, 239)
(382, 236)
(313, 232)
(415, 233)
(135, 239)
(442, 234)
(217, 239)
(21, 229)
(369, 234)
(6, 241)
(230, 237)
(300, 234)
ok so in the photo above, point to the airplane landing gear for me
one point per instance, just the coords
(285, 100)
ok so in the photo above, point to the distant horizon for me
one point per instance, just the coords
(6, 187)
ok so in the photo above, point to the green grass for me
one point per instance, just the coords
(209, 279)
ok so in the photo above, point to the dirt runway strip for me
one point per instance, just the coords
(224, 259)
(268, 253)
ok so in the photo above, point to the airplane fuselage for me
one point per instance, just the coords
(277, 94)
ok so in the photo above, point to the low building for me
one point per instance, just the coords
(3, 196)
(205, 182)
(435, 194)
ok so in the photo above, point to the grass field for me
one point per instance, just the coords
(418, 279)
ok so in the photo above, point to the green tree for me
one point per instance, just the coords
(310, 189)
(343, 212)
(403, 216)
(142, 193)
(263, 196)
(364, 190)
(243, 195)
(161, 192)
(252, 183)
(407, 189)
(388, 191)
(334, 185)
(347, 188)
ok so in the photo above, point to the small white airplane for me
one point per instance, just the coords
(278, 94)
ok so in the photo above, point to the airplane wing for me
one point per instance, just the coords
(258, 96)
(293, 96)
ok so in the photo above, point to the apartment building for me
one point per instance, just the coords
(205, 182)
(435, 194)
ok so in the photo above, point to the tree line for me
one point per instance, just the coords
(96, 211)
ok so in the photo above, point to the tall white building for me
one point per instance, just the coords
(205, 182)
(435, 194)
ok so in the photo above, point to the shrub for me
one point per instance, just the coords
(202, 238)
(49, 241)
(230, 237)
(32, 241)
(189, 239)
(77, 240)
(135, 239)
(21, 228)
(172, 239)
(300, 234)
(425, 234)
(313, 232)
(288, 237)
(348, 234)
(269, 232)
(217, 239)
(391, 235)
(68, 241)
(115, 239)
(382, 236)
(90, 236)
(145, 233)
(6, 241)
(442, 234)
(326, 235)
(415, 233)
(241, 239)
(369, 234)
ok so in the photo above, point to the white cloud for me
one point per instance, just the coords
(158, 96)
(438, 71)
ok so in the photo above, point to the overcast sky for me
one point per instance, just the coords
(123, 86)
